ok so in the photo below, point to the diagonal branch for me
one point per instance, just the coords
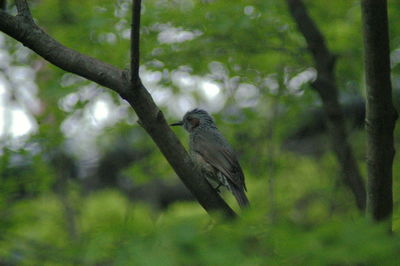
(152, 119)
(325, 85)
(135, 42)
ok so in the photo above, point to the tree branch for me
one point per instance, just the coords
(3, 4)
(111, 77)
(135, 42)
(326, 87)
(67, 59)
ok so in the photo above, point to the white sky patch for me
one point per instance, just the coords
(109, 37)
(187, 81)
(69, 79)
(161, 95)
(395, 57)
(4, 59)
(72, 125)
(16, 118)
(247, 95)
(181, 104)
(295, 83)
(210, 89)
(186, 102)
(126, 34)
(184, 80)
(22, 74)
(22, 54)
(150, 77)
(68, 103)
(248, 10)
(98, 113)
(101, 110)
(89, 92)
(2, 88)
(218, 70)
(2, 121)
(21, 124)
(169, 34)
(215, 104)
(272, 84)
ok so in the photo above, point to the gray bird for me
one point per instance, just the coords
(212, 153)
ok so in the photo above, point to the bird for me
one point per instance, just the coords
(211, 152)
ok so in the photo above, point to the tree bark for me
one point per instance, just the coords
(326, 87)
(22, 28)
(3, 4)
(380, 113)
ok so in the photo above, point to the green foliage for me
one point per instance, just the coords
(114, 231)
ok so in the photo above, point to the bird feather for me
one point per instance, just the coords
(217, 153)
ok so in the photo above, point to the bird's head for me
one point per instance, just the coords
(196, 119)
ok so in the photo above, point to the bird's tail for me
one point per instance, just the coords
(239, 195)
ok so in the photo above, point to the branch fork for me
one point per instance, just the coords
(128, 85)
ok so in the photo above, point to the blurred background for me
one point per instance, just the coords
(82, 183)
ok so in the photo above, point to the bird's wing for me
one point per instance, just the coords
(220, 157)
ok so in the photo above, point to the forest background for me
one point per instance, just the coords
(83, 183)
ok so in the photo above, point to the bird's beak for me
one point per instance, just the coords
(180, 123)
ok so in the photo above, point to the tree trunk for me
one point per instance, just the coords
(326, 87)
(380, 113)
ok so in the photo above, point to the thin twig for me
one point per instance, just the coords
(135, 40)
(23, 10)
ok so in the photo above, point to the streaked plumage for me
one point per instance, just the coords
(213, 154)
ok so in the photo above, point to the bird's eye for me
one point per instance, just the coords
(193, 121)
(189, 118)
